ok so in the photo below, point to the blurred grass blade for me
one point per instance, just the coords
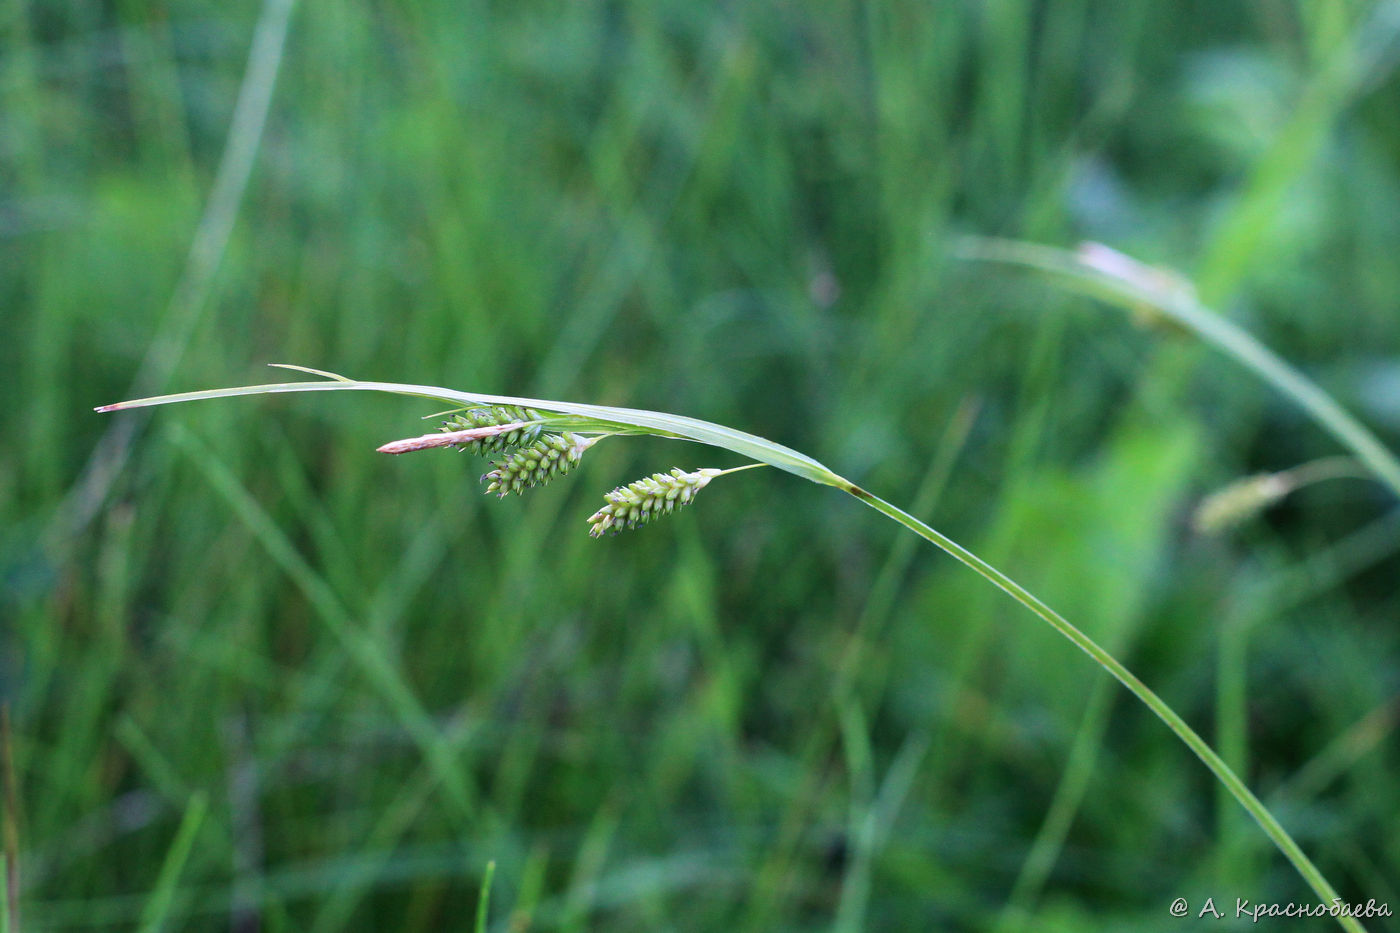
(1100, 272)
(190, 301)
(483, 903)
(157, 910)
(363, 647)
(9, 911)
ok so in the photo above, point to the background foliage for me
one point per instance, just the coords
(261, 678)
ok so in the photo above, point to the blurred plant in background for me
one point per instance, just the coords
(259, 677)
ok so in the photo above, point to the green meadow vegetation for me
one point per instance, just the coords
(259, 677)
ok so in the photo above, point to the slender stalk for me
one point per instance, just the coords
(10, 794)
(1105, 273)
(606, 419)
(161, 901)
(483, 901)
(191, 299)
(740, 469)
(1108, 662)
(1316, 471)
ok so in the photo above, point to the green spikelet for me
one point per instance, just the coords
(537, 463)
(487, 417)
(1240, 501)
(635, 504)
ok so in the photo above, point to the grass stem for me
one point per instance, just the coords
(11, 822)
(1227, 777)
(1106, 274)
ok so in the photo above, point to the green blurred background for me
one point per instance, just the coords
(261, 678)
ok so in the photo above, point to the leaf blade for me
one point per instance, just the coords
(678, 426)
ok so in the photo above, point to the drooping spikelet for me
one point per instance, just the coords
(535, 464)
(1240, 501)
(494, 415)
(635, 504)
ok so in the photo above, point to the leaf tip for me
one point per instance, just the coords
(335, 377)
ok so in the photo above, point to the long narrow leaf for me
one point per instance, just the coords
(703, 432)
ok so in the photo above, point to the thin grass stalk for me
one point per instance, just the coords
(161, 903)
(1227, 777)
(363, 646)
(190, 299)
(483, 901)
(10, 793)
(601, 419)
(1103, 273)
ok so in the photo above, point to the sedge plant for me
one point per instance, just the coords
(533, 441)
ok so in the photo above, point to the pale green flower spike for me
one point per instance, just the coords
(1238, 502)
(535, 464)
(491, 417)
(635, 504)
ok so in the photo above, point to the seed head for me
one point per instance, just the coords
(535, 464)
(496, 415)
(1240, 501)
(635, 504)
